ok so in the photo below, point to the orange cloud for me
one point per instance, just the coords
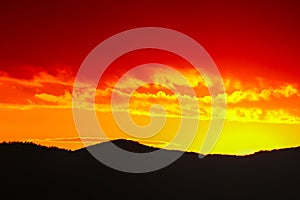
(29, 108)
(260, 100)
(26, 92)
(65, 99)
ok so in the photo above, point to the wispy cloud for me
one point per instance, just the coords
(259, 100)
(79, 142)
(64, 99)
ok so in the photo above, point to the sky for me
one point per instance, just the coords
(255, 45)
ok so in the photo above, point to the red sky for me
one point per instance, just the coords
(253, 43)
(259, 37)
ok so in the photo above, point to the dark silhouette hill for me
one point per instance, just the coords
(128, 145)
(30, 171)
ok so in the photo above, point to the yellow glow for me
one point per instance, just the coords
(259, 116)
(50, 124)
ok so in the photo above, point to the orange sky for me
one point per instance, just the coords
(261, 114)
(255, 46)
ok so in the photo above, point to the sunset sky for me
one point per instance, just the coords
(255, 45)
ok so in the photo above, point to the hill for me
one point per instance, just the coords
(35, 172)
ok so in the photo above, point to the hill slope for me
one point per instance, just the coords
(35, 172)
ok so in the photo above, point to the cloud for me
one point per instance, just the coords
(76, 139)
(259, 100)
(39, 79)
(65, 99)
(4, 79)
(95, 140)
(178, 82)
(262, 115)
(284, 91)
(60, 79)
(24, 91)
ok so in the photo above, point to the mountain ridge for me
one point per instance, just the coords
(126, 144)
(31, 171)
